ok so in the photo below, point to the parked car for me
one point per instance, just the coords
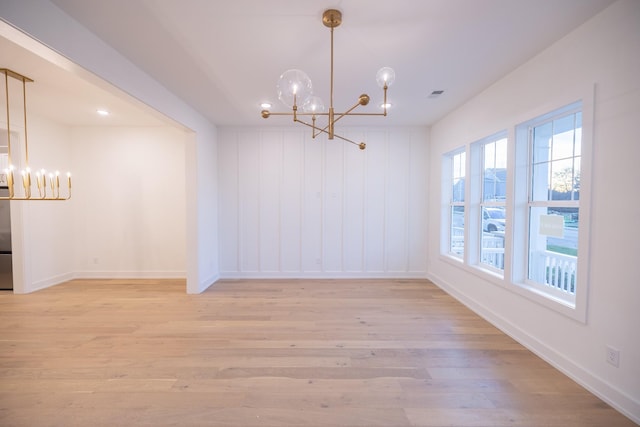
(493, 219)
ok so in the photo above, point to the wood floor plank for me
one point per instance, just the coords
(327, 353)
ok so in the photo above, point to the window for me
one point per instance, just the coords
(522, 233)
(493, 185)
(454, 165)
(550, 214)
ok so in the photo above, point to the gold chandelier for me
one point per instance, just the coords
(48, 185)
(295, 88)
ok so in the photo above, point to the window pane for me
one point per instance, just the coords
(501, 153)
(456, 236)
(542, 143)
(576, 178)
(553, 247)
(489, 155)
(578, 146)
(562, 180)
(540, 182)
(457, 190)
(493, 186)
(494, 182)
(563, 138)
(492, 248)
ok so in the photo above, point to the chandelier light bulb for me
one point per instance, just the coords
(294, 86)
(385, 77)
(313, 104)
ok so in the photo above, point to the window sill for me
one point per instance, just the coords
(563, 307)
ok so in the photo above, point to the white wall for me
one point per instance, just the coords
(202, 221)
(291, 206)
(91, 59)
(126, 217)
(42, 232)
(604, 52)
(129, 202)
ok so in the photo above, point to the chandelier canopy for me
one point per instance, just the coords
(295, 90)
(47, 184)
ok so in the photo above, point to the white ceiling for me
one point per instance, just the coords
(57, 91)
(224, 57)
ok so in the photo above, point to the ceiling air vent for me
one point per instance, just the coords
(435, 93)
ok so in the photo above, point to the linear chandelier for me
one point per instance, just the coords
(48, 185)
(295, 89)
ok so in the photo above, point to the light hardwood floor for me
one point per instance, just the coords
(272, 353)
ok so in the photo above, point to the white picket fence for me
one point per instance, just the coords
(551, 268)
(555, 270)
(492, 252)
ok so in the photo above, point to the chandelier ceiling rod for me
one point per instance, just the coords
(295, 85)
(48, 188)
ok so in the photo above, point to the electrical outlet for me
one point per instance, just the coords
(613, 356)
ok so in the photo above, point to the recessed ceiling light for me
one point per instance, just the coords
(102, 112)
(266, 105)
(387, 105)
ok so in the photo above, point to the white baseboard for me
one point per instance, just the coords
(51, 281)
(56, 280)
(130, 275)
(205, 284)
(321, 275)
(615, 397)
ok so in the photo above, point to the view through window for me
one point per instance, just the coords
(554, 211)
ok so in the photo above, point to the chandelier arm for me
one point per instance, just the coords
(385, 99)
(324, 129)
(335, 135)
(366, 114)
(326, 114)
(327, 132)
(314, 127)
(313, 130)
(346, 113)
(298, 114)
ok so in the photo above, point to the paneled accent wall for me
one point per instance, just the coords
(293, 206)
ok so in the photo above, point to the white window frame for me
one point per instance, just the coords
(574, 306)
(478, 204)
(448, 203)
